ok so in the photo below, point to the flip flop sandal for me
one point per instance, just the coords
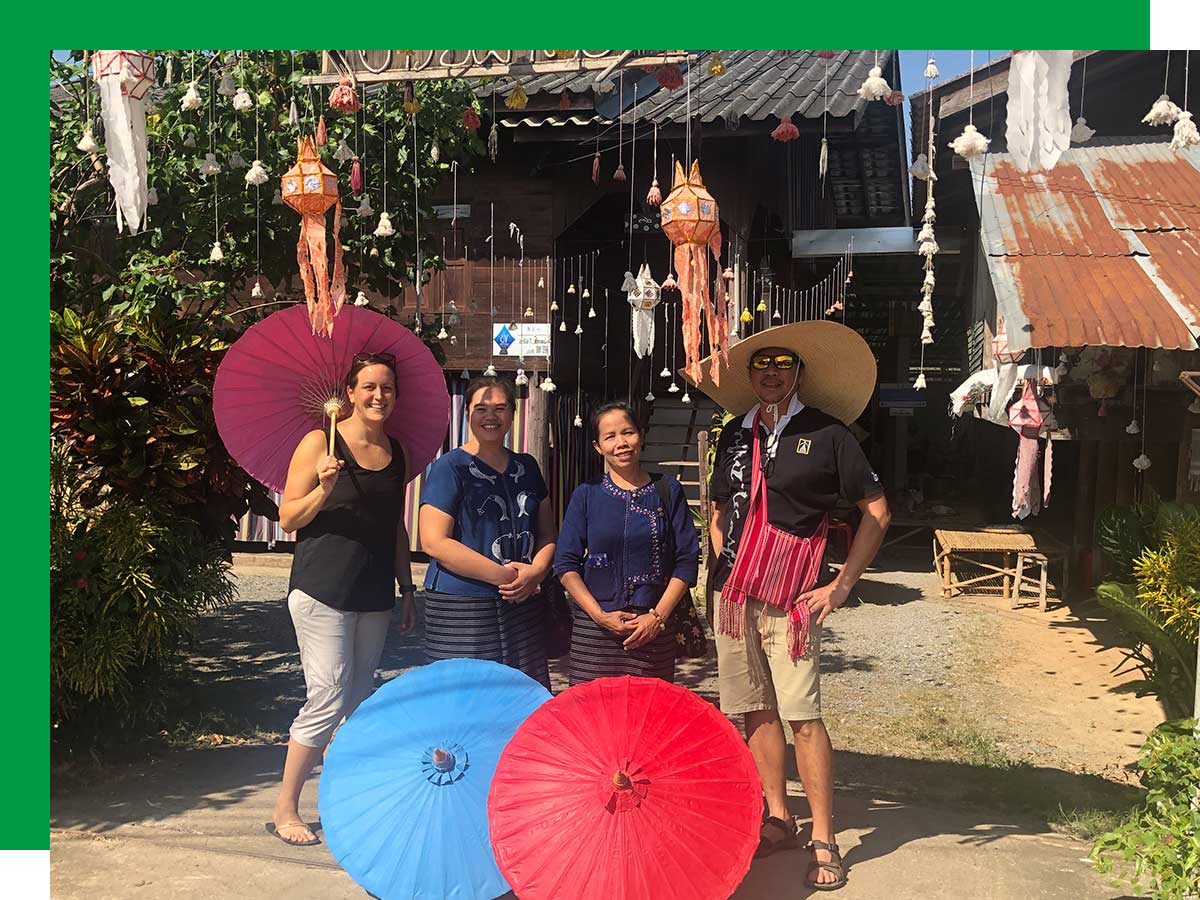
(766, 846)
(273, 830)
(834, 865)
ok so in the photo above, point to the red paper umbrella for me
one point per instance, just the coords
(625, 789)
(273, 384)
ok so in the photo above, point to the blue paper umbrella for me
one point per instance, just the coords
(404, 789)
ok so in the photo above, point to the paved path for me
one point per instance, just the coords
(189, 824)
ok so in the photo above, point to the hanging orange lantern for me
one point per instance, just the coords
(310, 188)
(691, 221)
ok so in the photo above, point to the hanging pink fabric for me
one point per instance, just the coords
(1031, 418)
(772, 566)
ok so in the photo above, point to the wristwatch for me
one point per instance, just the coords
(407, 589)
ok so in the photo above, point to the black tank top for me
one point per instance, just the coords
(346, 556)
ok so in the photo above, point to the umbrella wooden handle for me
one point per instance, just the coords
(332, 409)
(443, 760)
(621, 781)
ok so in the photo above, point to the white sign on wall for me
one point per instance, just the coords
(520, 339)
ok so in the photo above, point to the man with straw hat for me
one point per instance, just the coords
(780, 469)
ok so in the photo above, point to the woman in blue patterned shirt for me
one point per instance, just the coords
(627, 554)
(490, 540)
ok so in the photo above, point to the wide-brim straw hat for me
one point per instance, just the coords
(839, 369)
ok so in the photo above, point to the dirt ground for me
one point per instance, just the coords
(958, 724)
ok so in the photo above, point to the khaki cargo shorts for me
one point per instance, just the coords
(756, 673)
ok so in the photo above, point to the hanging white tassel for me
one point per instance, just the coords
(189, 139)
(650, 396)
(920, 168)
(930, 280)
(928, 248)
(665, 373)
(242, 101)
(919, 384)
(1133, 427)
(257, 174)
(1185, 132)
(1080, 133)
(529, 312)
(1142, 463)
(227, 88)
(236, 161)
(686, 398)
(364, 210)
(925, 306)
(562, 326)
(578, 421)
(926, 335)
(152, 197)
(343, 151)
(87, 143)
(216, 255)
(277, 200)
(553, 306)
(465, 374)
(1163, 112)
(629, 284)
(931, 69)
(926, 233)
(494, 142)
(591, 312)
(293, 113)
(384, 228)
(579, 329)
(360, 299)
(548, 385)
(191, 98)
(823, 161)
(453, 340)
(490, 371)
(875, 87)
(443, 334)
(170, 74)
(522, 378)
(210, 166)
(673, 389)
(970, 144)
(435, 152)
(257, 292)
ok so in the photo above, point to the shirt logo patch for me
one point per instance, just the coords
(804, 446)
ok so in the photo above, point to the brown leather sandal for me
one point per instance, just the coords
(834, 865)
(767, 846)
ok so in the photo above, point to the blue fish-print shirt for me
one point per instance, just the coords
(495, 514)
(625, 545)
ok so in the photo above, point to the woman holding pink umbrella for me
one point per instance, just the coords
(351, 549)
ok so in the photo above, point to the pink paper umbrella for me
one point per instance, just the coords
(273, 384)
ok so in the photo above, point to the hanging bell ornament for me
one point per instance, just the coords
(442, 333)
(152, 197)
(591, 312)
(571, 289)
(191, 98)
(242, 101)
(578, 421)
(343, 151)
(649, 396)
(665, 373)
(686, 398)
(360, 299)
(522, 378)
(579, 329)
(384, 228)
(227, 88)
(563, 325)
(216, 255)
(344, 98)
(553, 306)
(257, 292)
(548, 384)
(490, 371)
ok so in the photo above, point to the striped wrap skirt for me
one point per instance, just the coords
(485, 628)
(598, 653)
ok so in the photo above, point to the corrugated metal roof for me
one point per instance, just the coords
(1104, 249)
(756, 84)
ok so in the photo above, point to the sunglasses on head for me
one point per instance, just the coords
(760, 362)
(387, 359)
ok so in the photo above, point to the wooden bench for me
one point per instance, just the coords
(1020, 551)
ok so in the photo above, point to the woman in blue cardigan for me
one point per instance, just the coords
(627, 553)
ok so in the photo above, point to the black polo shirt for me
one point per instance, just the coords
(817, 460)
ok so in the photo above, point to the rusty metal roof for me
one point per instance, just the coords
(757, 84)
(1104, 249)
